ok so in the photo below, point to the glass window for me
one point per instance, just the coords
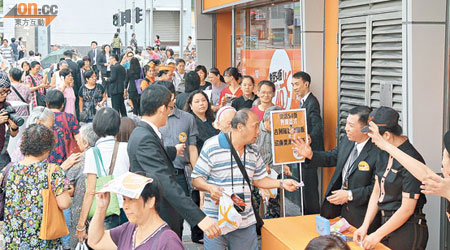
(268, 46)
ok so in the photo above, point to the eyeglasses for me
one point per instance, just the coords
(5, 92)
(265, 93)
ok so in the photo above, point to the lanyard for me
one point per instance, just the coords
(232, 176)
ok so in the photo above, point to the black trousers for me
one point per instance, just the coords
(196, 232)
(413, 235)
(310, 190)
(118, 104)
(116, 51)
(136, 105)
(180, 178)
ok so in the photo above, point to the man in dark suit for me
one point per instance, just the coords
(350, 187)
(116, 85)
(300, 84)
(147, 154)
(73, 66)
(92, 54)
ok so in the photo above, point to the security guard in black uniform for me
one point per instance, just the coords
(396, 193)
(349, 190)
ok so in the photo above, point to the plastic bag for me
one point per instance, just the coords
(274, 191)
(229, 219)
(81, 246)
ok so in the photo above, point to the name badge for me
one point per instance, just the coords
(363, 166)
(182, 137)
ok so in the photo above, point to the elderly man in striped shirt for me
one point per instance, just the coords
(216, 172)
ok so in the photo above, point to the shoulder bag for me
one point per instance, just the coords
(40, 99)
(113, 207)
(71, 144)
(259, 221)
(138, 82)
(53, 225)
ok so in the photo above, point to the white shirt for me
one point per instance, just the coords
(303, 100)
(59, 81)
(154, 128)
(106, 147)
(359, 148)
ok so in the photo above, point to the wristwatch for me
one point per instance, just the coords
(281, 183)
(350, 195)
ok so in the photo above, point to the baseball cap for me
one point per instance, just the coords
(385, 118)
(447, 141)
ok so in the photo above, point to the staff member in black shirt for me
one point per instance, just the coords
(396, 193)
(248, 97)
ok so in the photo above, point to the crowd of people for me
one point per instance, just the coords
(192, 130)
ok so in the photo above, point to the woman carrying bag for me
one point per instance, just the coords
(36, 192)
(100, 165)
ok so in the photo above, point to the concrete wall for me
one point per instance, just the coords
(424, 25)
(205, 34)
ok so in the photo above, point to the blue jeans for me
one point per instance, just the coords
(66, 239)
(244, 239)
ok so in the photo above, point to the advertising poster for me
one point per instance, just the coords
(287, 125)
(278, 66)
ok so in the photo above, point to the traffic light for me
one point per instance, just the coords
(138, 14)
(128, 15)
(116, 20)
(125, 17)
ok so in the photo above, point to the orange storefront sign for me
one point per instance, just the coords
(213, 4)
(277, 65)
(287, 125)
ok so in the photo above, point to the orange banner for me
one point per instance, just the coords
(278, 66)
(209, 4)
(287, 125)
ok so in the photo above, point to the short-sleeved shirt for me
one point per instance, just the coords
(214, 165)
(37, 81)
(227, 92)
(243, 102)
(180, 128)
(24, 204)
(215, 92)
(63, 131)
(258, 112)
(106, 148)
(163, 237)
(24, 91)
(91, 97)
(396, 181)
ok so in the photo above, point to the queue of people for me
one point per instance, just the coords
(192, 132)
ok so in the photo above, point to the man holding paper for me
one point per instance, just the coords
(218, 172)
(148, 156)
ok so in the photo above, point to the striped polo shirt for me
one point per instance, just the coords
(214, 165)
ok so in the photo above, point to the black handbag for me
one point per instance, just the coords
(40, 99)
(259, 221)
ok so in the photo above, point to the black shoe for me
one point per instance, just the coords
(198, 241)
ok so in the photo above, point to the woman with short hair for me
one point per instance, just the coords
(24, 182)
(92, 96)
(67, 89)
(77, 178)
(19, 92)
(145, 230)
(106, 125)
(66, 126)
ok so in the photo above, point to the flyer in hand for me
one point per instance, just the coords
(128, 184)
